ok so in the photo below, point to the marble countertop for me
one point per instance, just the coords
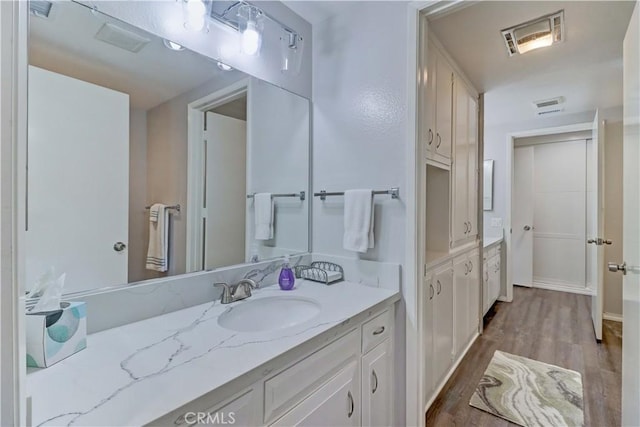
(133, 374)
(490, 241)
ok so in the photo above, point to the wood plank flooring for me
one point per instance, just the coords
(552, 327)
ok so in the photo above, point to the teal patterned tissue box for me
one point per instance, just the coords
(55, 335)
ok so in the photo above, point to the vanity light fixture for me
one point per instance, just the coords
(250, 21)
(194, 12)
(172, 45)
(224, 67)
(535, 34)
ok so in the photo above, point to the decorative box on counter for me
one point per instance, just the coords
(56, 335)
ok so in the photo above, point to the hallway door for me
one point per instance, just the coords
(595, 224)
(522, 229)
(631, 226)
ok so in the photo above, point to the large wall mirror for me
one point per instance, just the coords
(120, 120)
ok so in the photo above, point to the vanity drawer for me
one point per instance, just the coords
(288, 388)
(376, 330)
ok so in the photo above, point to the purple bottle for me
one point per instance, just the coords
(287, 279)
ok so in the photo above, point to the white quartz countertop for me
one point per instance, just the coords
(133, 374)
(490, 241)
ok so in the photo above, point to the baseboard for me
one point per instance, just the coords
(612, 316)
(453, 368)
(562, 288)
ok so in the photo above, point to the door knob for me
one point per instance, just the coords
(119, 246)
(527, 228)
(591, 241)
(613, 267)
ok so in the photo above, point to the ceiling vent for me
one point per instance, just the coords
(119, 37)
(540, 32)
(41, 9)
(549, 106)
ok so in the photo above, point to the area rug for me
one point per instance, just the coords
(530, 393)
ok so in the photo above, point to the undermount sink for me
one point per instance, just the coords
(268, 314)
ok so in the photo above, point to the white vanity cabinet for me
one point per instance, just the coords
(346, 381)
(492, 275)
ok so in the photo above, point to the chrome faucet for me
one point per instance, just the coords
(237, 292)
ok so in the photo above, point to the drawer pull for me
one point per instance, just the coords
(432, 291)
(439, 287)
(351, 404)
(379, 330)
(430, 137)
(374, 376)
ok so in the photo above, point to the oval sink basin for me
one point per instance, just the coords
(268, 314)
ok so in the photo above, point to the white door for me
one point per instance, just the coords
(226, 191)
(595, 224)
(78, 181)
(631, 226)
(460, 204)
(522, 223)
(336, 403)
(376, 386)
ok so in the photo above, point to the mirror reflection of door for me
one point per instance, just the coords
(225, 184)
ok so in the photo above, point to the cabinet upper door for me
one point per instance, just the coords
(444, 94)
(336, 403)
(460, 191)
(376, 386)
(472, 165)
(429, 100)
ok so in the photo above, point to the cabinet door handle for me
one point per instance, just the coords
(350, 403)
(439, 287)
(432, 291)
(470, 227)
(470, 266)
(486, 276)
(379, 330)
(430, 137)
(466, 268)
(439, 140)
(466, 228)
(374, 377)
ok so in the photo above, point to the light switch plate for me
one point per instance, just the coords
(496, 222)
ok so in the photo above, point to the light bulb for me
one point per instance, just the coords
(173, 45)
(251, 39)
(196, 7)
(195, 11)
(224, 67)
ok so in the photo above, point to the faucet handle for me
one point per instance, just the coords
(226, 297)
(252, 283)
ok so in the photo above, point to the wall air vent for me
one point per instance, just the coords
(119, 37)
(549, 106)
(540, 32)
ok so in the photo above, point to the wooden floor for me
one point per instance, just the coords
(552, 327)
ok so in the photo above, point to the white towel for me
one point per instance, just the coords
(358, 220)
(158, 253)
(263, 212)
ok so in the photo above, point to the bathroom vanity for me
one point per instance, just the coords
(334, 366)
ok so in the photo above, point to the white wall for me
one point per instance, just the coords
(360, 137)
(613, 215)
(138, 216)
(278, 162)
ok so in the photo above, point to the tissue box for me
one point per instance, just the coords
(55, 335)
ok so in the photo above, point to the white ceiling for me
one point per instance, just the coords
(65, 43)
(586, 68)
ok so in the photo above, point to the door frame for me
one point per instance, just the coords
(195, 163)
(511, 139)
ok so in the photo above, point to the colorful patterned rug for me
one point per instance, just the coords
(530, 393)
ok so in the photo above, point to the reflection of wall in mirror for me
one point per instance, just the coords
(166, 165)
(278, 162)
